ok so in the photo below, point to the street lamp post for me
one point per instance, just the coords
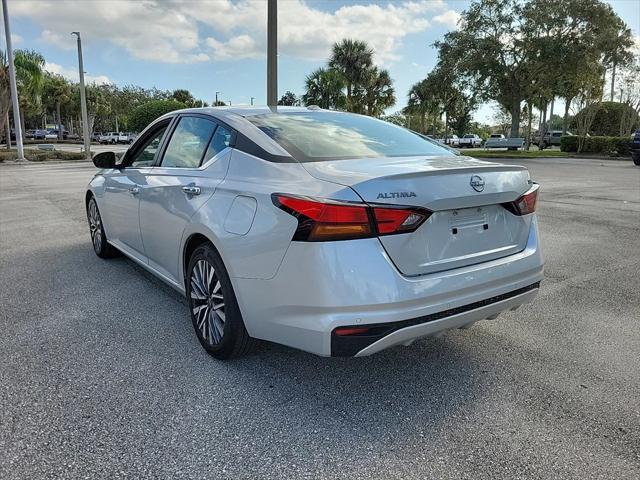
(216, 104)
(272, 53)
(14, 88)
(252, 99)
(83, 101)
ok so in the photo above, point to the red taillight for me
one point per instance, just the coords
(397, 220)
(526, 204)
(344, 331)
(323, 220)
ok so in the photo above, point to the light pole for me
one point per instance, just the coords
(216, 99)
(252, 99)
(272, 53)
(83, 101)
(14, 89)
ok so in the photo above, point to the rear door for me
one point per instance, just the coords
(193, 163)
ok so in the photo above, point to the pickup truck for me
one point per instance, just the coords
(470, 141)
(109, 137)
(126, 137)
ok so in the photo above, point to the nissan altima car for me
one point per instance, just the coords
(330, 232)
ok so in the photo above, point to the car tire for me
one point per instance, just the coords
(101, 246)
(214, 309)
(635, 156)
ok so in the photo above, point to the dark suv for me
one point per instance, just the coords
(635, 148)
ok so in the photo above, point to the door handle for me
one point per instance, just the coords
(191, 190)
(134, 190)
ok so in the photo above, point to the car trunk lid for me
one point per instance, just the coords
(468, 223)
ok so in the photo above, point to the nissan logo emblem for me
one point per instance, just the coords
(477, 183)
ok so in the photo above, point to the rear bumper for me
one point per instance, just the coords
(322, 286)
(387, 335)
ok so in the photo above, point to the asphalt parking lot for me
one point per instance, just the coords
(101, 375)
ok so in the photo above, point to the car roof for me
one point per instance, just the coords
(246, 110)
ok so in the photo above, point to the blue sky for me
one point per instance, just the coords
(218, 45)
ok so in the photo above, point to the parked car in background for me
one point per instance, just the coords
(337, 193)
(635, 147)
(109, 137)
(39, 134)
(51, 135)
(551, 138)
(95, 136)
(452, 140)
(127, 137)
(496, 135)
(470, 141)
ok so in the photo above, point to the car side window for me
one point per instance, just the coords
(189, 142)
(144, 156)
(219, 142)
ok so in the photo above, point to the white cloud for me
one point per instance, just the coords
(16, 39)
(173, 31)
(449, 18)
(73, 75)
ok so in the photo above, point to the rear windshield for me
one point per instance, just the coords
(318, 136)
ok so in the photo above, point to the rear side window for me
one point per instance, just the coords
(189, 142)
(219, 142)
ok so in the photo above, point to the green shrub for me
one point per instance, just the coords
(604, 145)
(608, 118)
(41, 155)
(147, 112)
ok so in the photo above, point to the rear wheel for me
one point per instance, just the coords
(214, 309)
(98, 238)
(636, 157)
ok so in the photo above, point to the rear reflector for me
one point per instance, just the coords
(325, 220)
(343, 331)
(526, 204)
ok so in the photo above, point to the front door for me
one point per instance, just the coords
(122, 194)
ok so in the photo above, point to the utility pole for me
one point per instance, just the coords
(83, 101)
(252, 99)
(216, 104)
(14, 88)
(272, 53)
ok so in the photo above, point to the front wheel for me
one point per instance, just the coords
(636, 158)
(214, 309)
(98, 238)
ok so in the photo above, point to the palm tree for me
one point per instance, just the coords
(422, 101)
(352, 58)
(378, 91)
(29, 66)
(325, 89)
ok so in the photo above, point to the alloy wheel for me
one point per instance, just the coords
(95, 226)
(207, 302)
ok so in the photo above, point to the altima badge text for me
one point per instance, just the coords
(397, 195)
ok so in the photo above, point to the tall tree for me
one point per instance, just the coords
(57, 92)
(289, 99)
(324, 88)
(352, 58)
(489, 49)
(29, 66)
(422, 101)
(378, 93)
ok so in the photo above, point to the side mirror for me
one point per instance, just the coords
(105, 160)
